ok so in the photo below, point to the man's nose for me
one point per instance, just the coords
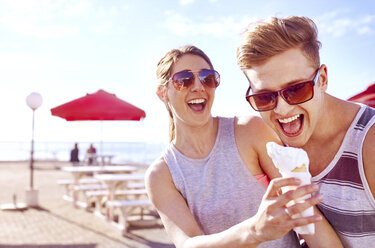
(282, 107)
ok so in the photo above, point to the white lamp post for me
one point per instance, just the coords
(34, 100)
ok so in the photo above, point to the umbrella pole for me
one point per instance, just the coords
(101, 138)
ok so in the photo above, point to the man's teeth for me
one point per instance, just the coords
(290, 119)
(196, 101)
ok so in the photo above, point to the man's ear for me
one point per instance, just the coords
(323, 74)
(162, 93)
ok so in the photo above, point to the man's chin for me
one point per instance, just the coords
(293, 141)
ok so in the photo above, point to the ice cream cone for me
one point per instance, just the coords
(293, 162)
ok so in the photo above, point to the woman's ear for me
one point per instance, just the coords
(162, 93)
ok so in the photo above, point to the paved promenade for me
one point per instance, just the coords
(56, 223)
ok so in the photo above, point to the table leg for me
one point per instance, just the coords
(76, 177)
(111, 196)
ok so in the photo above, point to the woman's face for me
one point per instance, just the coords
(192, 105)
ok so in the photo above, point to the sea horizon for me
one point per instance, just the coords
(136, 152)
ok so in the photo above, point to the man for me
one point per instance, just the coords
(91, 154)
(280, 58)
(74, 154)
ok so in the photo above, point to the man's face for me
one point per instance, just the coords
(293, 123)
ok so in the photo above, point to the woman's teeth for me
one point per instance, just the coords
(197, 104)
(196, 101)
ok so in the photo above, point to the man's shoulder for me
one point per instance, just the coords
(369, 141)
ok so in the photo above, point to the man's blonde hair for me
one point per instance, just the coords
(265, 39)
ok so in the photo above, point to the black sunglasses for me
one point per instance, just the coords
(295, 94)
(183, 79)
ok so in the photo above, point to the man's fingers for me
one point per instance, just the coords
(277, 183)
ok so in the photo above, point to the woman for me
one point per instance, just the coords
(202, 186)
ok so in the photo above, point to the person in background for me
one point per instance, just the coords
(74, 154)
(287, 85)
(91, 154)
(207, 186)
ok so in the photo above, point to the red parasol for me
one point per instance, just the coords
(100, 106)
(366, 97)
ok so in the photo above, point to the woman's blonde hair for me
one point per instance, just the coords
(164, 69)
(265, 39)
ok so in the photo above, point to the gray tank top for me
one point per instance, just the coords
(348, 202)
(219, 189)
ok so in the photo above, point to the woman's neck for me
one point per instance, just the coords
(196, 141)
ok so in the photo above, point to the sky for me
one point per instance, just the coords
(64, 49)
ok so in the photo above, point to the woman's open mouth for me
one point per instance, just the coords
(197, 105)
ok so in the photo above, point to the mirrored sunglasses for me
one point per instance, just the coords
(184, 79)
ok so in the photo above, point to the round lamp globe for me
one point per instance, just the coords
(34, 100)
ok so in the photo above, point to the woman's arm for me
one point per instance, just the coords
(271, 221)
(178, 221)
(252, 135)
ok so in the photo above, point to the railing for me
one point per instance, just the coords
(60, 151)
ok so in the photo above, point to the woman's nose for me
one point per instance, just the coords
(197, 84)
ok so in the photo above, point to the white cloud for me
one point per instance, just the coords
(368, 18)
(103, 29)
(41, 18)
(186, 2)
(365, 30)
(339, 23)
(223, 27)
(125, 7)
(12, 45)
(76, 8)
(57, 18)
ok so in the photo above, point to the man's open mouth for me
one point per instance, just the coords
(292, 126)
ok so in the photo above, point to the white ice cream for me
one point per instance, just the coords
(287, 159)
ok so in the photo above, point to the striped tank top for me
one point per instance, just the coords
(219, 190)
(348, 203)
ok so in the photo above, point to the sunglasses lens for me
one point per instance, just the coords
(298, 93)
(183, 79)
(263, 102)
(295, 94)
(210, 78)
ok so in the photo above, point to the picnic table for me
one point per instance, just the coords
(79, 172)
(113, 182)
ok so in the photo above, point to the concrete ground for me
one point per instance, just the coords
(56, 223)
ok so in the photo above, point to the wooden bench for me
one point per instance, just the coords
(72, 190)
(68, 183)
(81, 181)
(98, 197)
(117, 192)
(87, 187)
(125, 206)
(135, 185)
